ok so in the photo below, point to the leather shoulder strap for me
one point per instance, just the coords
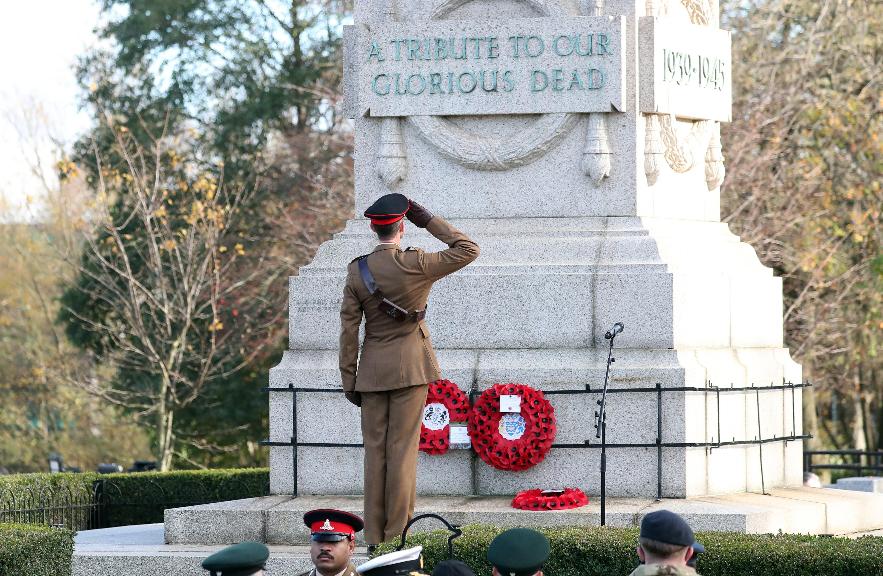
(366, 275)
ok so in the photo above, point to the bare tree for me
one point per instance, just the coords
(168, 304)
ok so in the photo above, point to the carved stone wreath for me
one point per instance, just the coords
(483, 152)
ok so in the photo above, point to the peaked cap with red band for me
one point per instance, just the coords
(388, 209)
(329, 525)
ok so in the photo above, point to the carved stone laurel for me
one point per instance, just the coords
(485, 153)
(680, 155)
(660, 135)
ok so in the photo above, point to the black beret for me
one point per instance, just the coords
(241, 559)
(666, 526)
(388, 209)
(519, 552)
(330, 525)
(452, 568)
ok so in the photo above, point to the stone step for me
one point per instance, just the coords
(141, 551)
(278, 519)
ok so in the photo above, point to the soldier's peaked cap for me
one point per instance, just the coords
(241, 559)
(666, 526)
(519, 552)
(329, 525)
(388, 209)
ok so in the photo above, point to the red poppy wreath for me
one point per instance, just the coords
(445, 403)
(550, 499)
(512, 440)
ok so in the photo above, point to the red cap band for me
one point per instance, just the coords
(382, 219)
(328, 527)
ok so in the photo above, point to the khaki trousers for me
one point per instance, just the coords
(391, 433)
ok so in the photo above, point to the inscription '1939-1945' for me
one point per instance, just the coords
(684, 69)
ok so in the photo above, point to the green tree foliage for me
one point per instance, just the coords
(240, 95)
(804, 187)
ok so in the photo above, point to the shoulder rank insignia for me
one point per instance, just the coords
(327, 525)
(412, 249)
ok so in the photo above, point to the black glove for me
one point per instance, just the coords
(418, 215)
(354, 397)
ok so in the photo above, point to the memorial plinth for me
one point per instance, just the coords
(579, 145)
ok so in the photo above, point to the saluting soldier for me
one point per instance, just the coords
(332, 541)
(390, 287)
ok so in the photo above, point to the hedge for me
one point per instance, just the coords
(138, 498)
(605, 551)
(28, 550)
(141, 498)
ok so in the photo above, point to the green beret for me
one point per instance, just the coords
(519, 552)
(241, 559)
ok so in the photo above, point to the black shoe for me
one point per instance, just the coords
(372, 548)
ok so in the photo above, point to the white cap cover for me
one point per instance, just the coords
(391, 559)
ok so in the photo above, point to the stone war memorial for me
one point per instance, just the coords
(579, 144)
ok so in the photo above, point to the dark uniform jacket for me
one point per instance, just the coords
(396, 354)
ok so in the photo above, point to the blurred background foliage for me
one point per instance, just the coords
(240, 99)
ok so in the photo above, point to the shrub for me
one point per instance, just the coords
(50, 499)
(605, 551)
(141, 498)
(66, 499)
(27, 550)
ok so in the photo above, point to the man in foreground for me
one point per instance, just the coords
(665, 545)
(332, 541)
(390, 287)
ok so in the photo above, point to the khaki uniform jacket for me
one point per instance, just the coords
(350, 571)
(396, 354)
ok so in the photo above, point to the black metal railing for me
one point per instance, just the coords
(659, 444)
(75, 508)
(104, 503)
(860, 462)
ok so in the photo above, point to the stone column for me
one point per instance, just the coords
(591, 208)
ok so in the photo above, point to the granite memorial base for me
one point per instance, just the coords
(193, 533)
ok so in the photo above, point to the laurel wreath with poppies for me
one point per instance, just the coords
(456, 401)
(550, 499)
(512, 454)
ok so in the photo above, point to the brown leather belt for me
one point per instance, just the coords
(386, 305)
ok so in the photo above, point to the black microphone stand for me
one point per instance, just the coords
(601, 420)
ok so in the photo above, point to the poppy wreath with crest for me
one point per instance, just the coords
(495, 435)
(550, 499)
(456, 402)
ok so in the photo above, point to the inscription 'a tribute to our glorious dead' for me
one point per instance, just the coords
(520, 66)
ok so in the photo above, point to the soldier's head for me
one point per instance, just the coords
(665, 538)
(243, 559)
(332, 539)
(387, 217)
(519, 552)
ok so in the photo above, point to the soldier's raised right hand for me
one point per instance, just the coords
(418, 215)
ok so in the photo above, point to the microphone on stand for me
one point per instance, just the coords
(617, 328)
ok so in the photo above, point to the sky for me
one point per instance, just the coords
(39, 43)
